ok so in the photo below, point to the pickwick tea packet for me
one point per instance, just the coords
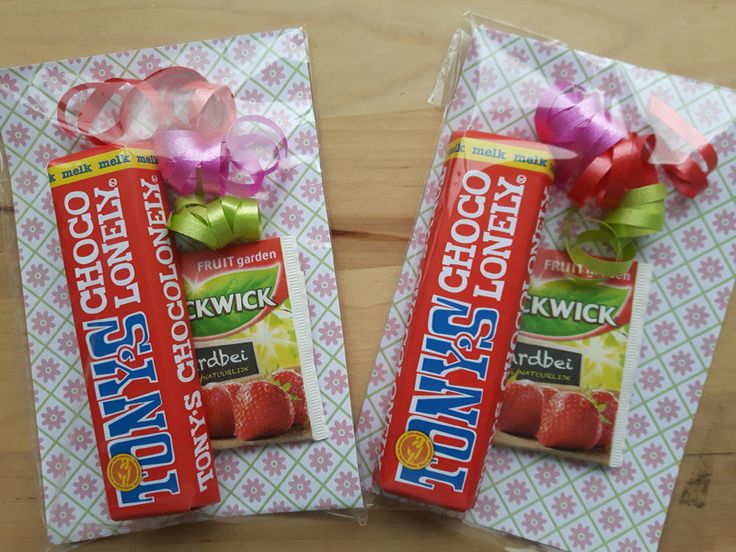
(573, 368)
(250, 320)
(165, 389)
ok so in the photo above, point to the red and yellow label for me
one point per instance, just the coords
(124, 472)
(414, 450)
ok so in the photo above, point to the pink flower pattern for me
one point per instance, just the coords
(650, 378)
(274, 463)
(516, 491)
(47, 370)
(581, 536)
(679, 286)
(227, 467)
(300, 487)
(593, 489)
(292, 216)
(85, 486)
(665, 332)
(58, 465)
(640, 502)
(300, 93)
(534, 522)
(682, 362)
(337, 382)
(342, 431)
(330, 332)
(320, 459)
(253, 490)
(710, 269)
(610, 519)
(625, 474)
(638, 425)
(63, 514)
(653, 455)
(501, 110)
(80, 438)
(547, 474)
(486, 508)
(311, 189)
(8, 86)
(484, 78)
(273, 73)
(347, 483)
(563, 505)
(324, 285)
(564, 70)
(17, 135)
(42, 322)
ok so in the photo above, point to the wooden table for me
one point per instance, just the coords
(373, 65)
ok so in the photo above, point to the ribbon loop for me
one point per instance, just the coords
(611, 161)
(191, 123)
(216, 223)
(641, 213)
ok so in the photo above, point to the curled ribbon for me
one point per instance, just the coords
(640, 213)
(218, 222)
(617, 170)
(608, 161)
(191, 124)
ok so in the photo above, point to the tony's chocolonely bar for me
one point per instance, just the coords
(133, 331)
(465, 318)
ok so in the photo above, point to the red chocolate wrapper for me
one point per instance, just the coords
(465, 318)
(133, 330)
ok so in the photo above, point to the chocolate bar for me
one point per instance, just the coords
(465, 318)
(133, 331)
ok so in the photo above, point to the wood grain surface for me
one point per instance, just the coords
(373, 65)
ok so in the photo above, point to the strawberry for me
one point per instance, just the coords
(262, 409)
(233, 388)
(607, 406)
(548, 391)
(570, 421)
(522, 408)
(292, 382)
(218, 407)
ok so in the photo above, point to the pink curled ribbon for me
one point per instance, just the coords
(192, 125)
(608, 160)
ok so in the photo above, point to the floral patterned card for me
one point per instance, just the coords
(269, 75)
(565, 503)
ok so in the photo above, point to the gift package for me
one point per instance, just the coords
(545, 351)
(561, 296)
(182, 315)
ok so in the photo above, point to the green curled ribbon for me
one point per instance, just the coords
(640, 213)
(218, 222)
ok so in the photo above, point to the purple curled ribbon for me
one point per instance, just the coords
(233, 164)
(568, 118)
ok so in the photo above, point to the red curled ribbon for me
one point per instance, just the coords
(608, 160)
(191, 124)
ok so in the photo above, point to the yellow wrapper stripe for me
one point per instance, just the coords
(504, 153)
(103, 163)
